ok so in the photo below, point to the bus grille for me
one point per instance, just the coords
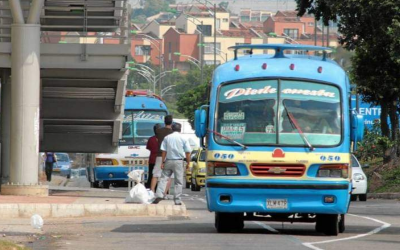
(259, 169)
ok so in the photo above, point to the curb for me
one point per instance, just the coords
(89, 210)
(388, 196)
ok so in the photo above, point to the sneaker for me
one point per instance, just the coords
(157, 200)
(178, 202)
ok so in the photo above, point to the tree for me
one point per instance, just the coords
(191, 100)
(191, 93)
(152, 7)
(371, 29)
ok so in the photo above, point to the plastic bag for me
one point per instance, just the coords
(136, 175)
(138, 194)
(37, 221)
(151, 195)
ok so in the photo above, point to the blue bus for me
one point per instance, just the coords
(279, 130)
(142, 111)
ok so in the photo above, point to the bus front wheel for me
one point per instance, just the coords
(227, 222)
(329, 224)
(95, 184)
(342, 226)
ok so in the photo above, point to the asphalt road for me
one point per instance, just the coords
(374, 224)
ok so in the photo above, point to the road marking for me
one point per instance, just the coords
(376, 230)
(269, 228)
(202, 200)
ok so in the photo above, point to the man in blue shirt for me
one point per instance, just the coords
(174, 148)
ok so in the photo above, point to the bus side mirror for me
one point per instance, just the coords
(357, 128)
(200, 118)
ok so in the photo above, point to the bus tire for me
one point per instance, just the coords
(342, 226)
(331, 222)
(94, 184)
(194, 187)
(187, 184)
(106, 184)
(319, 226)
(362, 197)
(353, 197)
(227, 222)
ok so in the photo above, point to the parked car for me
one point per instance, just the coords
(359, 180)
(63, 164)
(188, 176)
(199, 171)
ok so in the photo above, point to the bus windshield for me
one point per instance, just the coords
(138, 125)
(256, 113)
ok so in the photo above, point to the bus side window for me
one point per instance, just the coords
(126, 129)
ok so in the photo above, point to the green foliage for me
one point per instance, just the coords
(191, 100)
(192, 94)
(391, 180)
(371, 29)
(152, 7)
(183, 99)
(371, 146)
(6, 245)
(223, 5)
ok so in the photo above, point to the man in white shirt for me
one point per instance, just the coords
(175, 149)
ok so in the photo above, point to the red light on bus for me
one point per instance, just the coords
(237, 67)
(291, 66)
(320, 69)
(264, 66)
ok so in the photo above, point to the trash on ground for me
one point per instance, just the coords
(37, 221)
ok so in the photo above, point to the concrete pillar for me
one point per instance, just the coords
(5, 125)
(25, 117)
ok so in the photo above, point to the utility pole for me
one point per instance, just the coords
(315, 31)
(160, 67)
(215, 35)
(201, 53)
(327, 35)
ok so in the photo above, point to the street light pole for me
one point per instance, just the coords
(215, 36)
(201, 53)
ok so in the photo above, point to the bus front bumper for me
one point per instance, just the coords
(300, 196)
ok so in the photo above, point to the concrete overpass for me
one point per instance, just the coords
(66, 97)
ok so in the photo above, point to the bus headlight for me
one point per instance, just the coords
(202, 170)
(358, 177)
(221, 168)
(231, 171)
(220, 171)
(333, 171)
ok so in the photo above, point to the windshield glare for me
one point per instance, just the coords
(253, 113)
(137, 127)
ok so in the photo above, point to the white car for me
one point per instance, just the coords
(359, 180)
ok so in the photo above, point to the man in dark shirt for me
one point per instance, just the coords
(161, 133)
(152, 146)
(50, 160)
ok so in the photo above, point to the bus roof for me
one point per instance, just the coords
(144, 103)
(289, 66)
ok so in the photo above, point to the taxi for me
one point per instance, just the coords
(188, 176)
(198, 179)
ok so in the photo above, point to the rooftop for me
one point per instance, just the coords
(239, 33)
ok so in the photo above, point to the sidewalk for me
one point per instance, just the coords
(386, 196)
(70, 202)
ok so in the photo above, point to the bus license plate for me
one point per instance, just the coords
(277, 203)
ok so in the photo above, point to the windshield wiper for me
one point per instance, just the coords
(228, 139)
(294, 123)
